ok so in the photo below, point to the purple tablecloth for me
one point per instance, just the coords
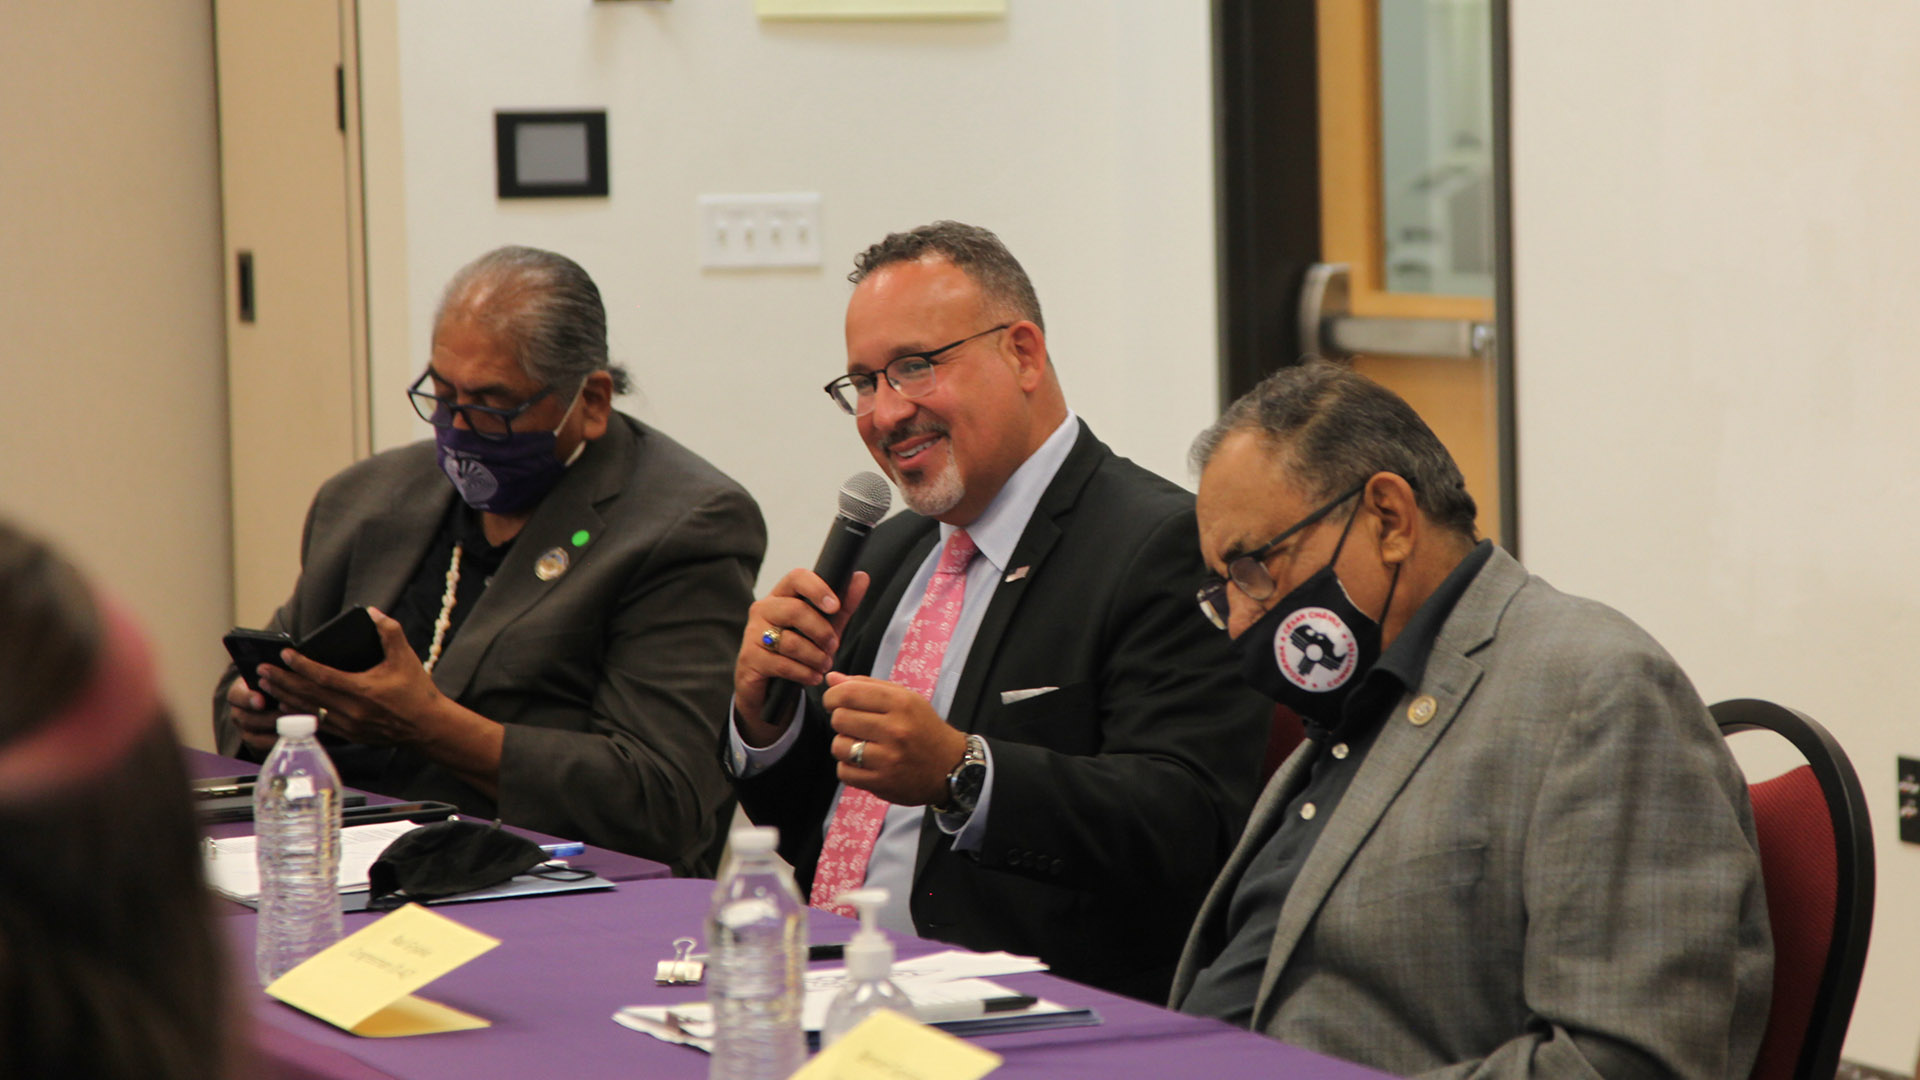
(567, 962)
(612, 865)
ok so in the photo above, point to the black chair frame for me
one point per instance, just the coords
(1853, 865)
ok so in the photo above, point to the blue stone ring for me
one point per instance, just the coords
(770, 639)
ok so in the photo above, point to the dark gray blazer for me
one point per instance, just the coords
(1116, 796)
(609, 678)
(1555, 875)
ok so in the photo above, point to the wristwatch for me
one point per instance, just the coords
(966, 779)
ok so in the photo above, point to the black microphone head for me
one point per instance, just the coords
(865, 498)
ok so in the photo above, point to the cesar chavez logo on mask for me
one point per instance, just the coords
(471, 478)
(1315, 650)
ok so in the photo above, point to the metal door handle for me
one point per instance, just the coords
(1328, 330)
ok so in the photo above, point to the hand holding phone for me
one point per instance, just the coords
(347, 642)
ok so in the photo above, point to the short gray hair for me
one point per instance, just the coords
(974, 250)
(1331, 428)
(544, 308)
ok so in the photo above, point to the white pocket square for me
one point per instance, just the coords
(1008, 697)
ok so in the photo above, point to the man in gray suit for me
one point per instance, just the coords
(1513, 843)
(558, 587)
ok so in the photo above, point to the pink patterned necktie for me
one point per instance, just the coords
(857, 817)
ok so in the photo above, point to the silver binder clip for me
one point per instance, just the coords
(683, 969)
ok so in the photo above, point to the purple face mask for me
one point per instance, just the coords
(503, 477)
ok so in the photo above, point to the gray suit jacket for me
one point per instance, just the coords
(1555, 875)
(608, 678)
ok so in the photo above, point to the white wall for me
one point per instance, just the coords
(1080, 131)
(113, 414)
(1717, 234)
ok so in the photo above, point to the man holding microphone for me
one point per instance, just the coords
(1011, 720)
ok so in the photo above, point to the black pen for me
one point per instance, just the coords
(937, 1012)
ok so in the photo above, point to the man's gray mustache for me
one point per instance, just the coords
(913, 432)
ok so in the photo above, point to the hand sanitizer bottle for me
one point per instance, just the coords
(869, 986)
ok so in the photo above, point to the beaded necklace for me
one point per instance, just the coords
(445, 618)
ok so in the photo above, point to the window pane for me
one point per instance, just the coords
(1436, 152)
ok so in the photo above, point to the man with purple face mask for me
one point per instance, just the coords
(557, 587)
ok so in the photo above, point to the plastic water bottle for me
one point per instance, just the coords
(757, 955)
(296, 816)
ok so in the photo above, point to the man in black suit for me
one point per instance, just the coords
(1060, 750)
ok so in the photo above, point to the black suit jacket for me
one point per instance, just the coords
(1117, 796)
(607, 677)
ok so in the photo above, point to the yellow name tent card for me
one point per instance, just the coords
(888, 1046)
(364, 982)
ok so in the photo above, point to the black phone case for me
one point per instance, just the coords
(347, 642)
(251, 648)
(230, 808)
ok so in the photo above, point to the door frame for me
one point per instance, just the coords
(1268, 172)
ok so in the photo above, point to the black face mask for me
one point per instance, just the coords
(447, 858)
(1309, 651)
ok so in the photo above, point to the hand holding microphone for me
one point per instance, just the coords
(793, 631)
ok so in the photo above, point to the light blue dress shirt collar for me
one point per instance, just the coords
(997, 531)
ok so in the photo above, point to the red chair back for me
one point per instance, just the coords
(1797, 861)
(1816, 858)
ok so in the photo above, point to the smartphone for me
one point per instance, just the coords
(222, 787)
(251, 648)
(227, 808)
(347, 642)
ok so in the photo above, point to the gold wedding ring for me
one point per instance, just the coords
(857, 756)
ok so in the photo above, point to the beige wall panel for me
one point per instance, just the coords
(113, 402)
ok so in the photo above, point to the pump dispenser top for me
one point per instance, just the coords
(870, 954)
(869, 957)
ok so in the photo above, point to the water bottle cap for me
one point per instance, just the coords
(296, 724)
(754, 839)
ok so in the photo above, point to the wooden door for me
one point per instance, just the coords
(295, 300)
(1408, 177)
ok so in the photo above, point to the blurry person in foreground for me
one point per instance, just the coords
(110, 962)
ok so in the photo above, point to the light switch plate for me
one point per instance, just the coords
(754, 231)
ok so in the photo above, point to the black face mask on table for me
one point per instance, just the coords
(447, 858)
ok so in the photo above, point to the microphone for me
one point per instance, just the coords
(864, 500)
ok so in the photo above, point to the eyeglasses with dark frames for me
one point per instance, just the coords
(495, 425)
(912, 374)
(1249, 571)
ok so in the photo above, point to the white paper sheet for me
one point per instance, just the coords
(232, 870)
(692, 1023)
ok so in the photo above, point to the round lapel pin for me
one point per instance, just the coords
(551, 565)
(1422, 710)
